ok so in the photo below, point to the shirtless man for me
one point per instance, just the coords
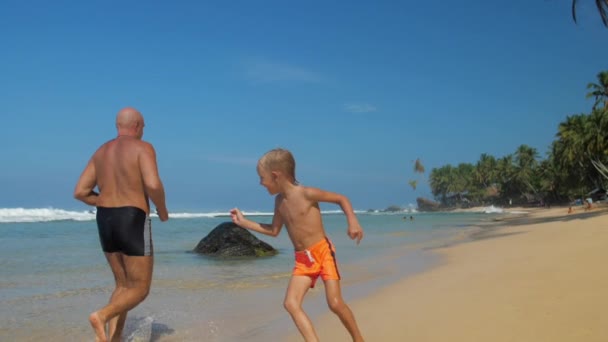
(125, 172)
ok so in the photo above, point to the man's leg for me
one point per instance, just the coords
(298, 286)
(333, 293)
(117, 324)
(138, 272)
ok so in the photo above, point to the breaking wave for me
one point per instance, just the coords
(22, 215)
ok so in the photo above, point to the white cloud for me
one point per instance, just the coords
(267, 72)
(359, 108)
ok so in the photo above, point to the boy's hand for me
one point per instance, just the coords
(237, 216)
(355, 232)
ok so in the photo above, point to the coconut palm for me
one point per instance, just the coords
(485, 170)
(568, 149)
(596, 134)
(441, 181)
(549, 173)
(525, 168)
(602, 7)
(596, 143)
(599, 90)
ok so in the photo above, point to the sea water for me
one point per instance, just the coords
(53, 274)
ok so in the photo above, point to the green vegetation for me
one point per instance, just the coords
(575, 165)
(260, 252)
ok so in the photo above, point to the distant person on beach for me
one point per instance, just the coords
(297, 207)
(124, 170)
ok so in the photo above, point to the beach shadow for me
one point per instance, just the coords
(494, 229)
(141, 328)
(159, 330)
(561, 218)
(484, 235)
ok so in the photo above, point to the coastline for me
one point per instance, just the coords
(538, 276)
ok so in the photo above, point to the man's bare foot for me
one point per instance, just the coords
(98, 326)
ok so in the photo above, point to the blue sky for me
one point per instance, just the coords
(357, 90)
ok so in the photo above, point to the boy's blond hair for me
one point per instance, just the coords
(280, 159)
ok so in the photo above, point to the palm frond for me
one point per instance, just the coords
(602, 7)
(413, 184)
(418, 167)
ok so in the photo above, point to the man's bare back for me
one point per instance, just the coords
(124, 170)
(118, 164)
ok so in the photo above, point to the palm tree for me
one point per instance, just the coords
(505, 172)
(441, 181)
(485, 170)
(582, 147)
(569, 146)
(602, 7)
(525, 167)
(549, 173)
(599, 90)
(596, 142)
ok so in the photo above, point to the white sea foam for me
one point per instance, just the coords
(19, 215)
(493, 210)
(517, 212)
(43, 215)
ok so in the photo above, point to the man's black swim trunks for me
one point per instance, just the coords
(124, 229)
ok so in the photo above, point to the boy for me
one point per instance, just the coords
(297, 207)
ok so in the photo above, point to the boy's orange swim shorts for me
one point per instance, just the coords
(317, 260)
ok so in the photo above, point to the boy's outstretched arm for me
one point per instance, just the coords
(354, 231)
(272, 229)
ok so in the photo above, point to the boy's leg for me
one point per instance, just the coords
(298, 286)
(337, 305)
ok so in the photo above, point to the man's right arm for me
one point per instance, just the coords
(152, 183)
(84, 190)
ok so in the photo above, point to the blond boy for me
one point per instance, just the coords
(297, 207)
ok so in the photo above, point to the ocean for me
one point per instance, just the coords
(53, 274)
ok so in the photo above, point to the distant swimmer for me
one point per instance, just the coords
(124, 170)
(411, 218)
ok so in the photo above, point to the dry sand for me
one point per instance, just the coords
(542, 277)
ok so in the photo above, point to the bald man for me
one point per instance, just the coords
(125, 172)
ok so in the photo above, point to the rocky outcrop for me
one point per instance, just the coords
(427, 205)
(230, 240)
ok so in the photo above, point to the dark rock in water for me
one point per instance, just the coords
(230, 240)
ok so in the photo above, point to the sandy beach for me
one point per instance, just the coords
(538, 277)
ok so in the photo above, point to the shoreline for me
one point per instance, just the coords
(516, 278)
